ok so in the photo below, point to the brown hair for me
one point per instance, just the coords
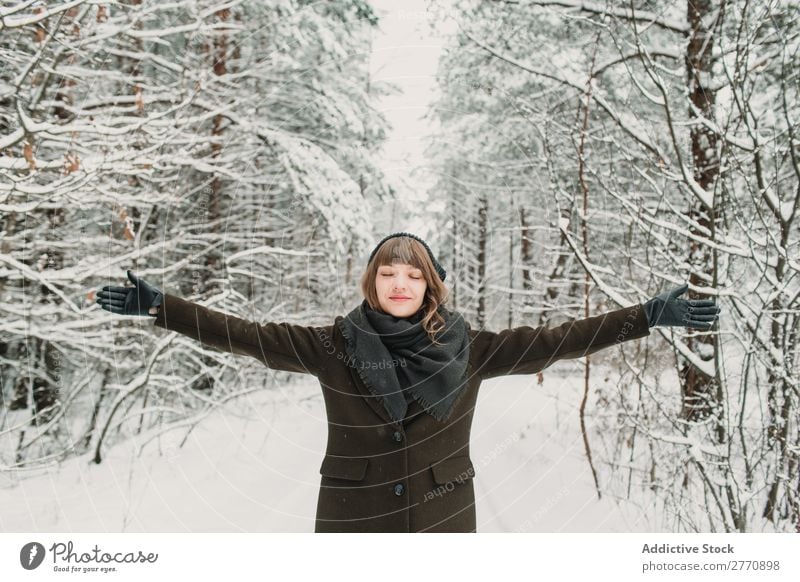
(403, 249)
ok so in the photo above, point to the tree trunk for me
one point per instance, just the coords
(526, 258)
(483, 227)
(699, 391)
(208, 277)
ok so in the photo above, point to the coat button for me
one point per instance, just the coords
(398, 489)
(398, 436)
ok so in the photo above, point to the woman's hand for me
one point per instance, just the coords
(666, 309)
(141, 299)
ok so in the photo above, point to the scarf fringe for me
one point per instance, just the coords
(432, 408)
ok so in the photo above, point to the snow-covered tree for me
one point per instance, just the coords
(636, 147)
(223, 150)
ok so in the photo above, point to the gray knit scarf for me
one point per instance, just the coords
(397, 360)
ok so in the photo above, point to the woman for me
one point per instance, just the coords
(400, 377)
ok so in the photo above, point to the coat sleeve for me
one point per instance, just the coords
(280, 346)
(527, 350)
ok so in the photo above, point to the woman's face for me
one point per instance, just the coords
(401, 289)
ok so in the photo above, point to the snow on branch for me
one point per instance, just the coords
(670, 24)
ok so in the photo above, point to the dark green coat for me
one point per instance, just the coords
(410, 476)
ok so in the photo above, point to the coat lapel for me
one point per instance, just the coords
(415, 409)
(362, 388)
(371, 399)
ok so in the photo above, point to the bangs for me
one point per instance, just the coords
(399, 250)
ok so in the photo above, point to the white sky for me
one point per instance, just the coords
(406, 52)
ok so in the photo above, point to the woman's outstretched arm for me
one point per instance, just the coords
(528, 350)
(280, 346)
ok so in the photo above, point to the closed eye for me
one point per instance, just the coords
(389, 275)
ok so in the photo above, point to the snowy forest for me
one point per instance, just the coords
(587, 155)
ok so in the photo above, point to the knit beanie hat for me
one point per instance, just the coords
(439, 269)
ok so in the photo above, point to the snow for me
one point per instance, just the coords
(12, 138)
(658, 18)
(10, 19)
(530, 465)
(254, 468)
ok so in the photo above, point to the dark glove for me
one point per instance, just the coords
(665, 309)
(136, 300)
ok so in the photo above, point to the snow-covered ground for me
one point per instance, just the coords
(253, 467)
